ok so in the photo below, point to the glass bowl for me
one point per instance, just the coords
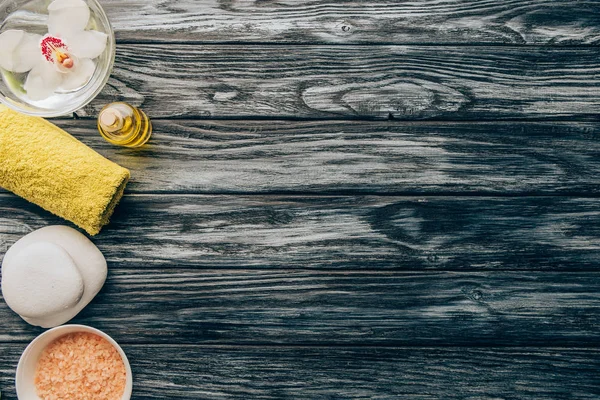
(31, 16)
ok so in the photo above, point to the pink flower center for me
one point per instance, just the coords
(50, 45)
(56, 51)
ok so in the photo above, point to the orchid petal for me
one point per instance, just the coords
(28, 53)
(81, 74)
(42, 81)
(67, 17)
(9, 40)
(87, 44)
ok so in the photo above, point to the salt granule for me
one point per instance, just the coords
(80, 366)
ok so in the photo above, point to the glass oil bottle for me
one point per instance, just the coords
(124, 125)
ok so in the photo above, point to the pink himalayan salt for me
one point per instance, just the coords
(80, 366)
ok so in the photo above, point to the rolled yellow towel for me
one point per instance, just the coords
(45, 165)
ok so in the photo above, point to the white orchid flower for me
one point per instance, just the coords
(62, 59)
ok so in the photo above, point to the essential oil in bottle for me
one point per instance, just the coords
(124, 125)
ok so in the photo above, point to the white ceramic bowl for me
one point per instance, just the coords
(27, 364)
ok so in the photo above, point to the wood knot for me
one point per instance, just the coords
(225, 96)
(476, 295)
(343, 28)
(432, 258)
(472, 292)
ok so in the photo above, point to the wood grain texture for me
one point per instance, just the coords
(334, 308)
(251, 259)
(408, 83)
(201, 372)
(345, 233)
(382, 21)
(187, 156)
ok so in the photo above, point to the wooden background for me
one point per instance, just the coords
(350, 199)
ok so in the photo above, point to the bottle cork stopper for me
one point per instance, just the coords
(108, 117)
(111, 119)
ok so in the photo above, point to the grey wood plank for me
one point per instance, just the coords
(474, 83)
(347, 21)
(345, 233)
(296, 307)
(201, 372)
(385, 157)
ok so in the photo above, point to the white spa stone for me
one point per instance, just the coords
(46, 271)
(51, 274)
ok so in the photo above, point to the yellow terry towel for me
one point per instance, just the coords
(45, 165)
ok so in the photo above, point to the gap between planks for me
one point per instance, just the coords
(591, 118)
(342, 346)
(363, 44)
(348, 193)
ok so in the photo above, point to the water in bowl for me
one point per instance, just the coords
(32, 17)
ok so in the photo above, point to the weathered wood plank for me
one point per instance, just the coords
(193, 372)
(402, 233)
(332, 308)
(456, 83)
(347, 21)
(189, 156)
